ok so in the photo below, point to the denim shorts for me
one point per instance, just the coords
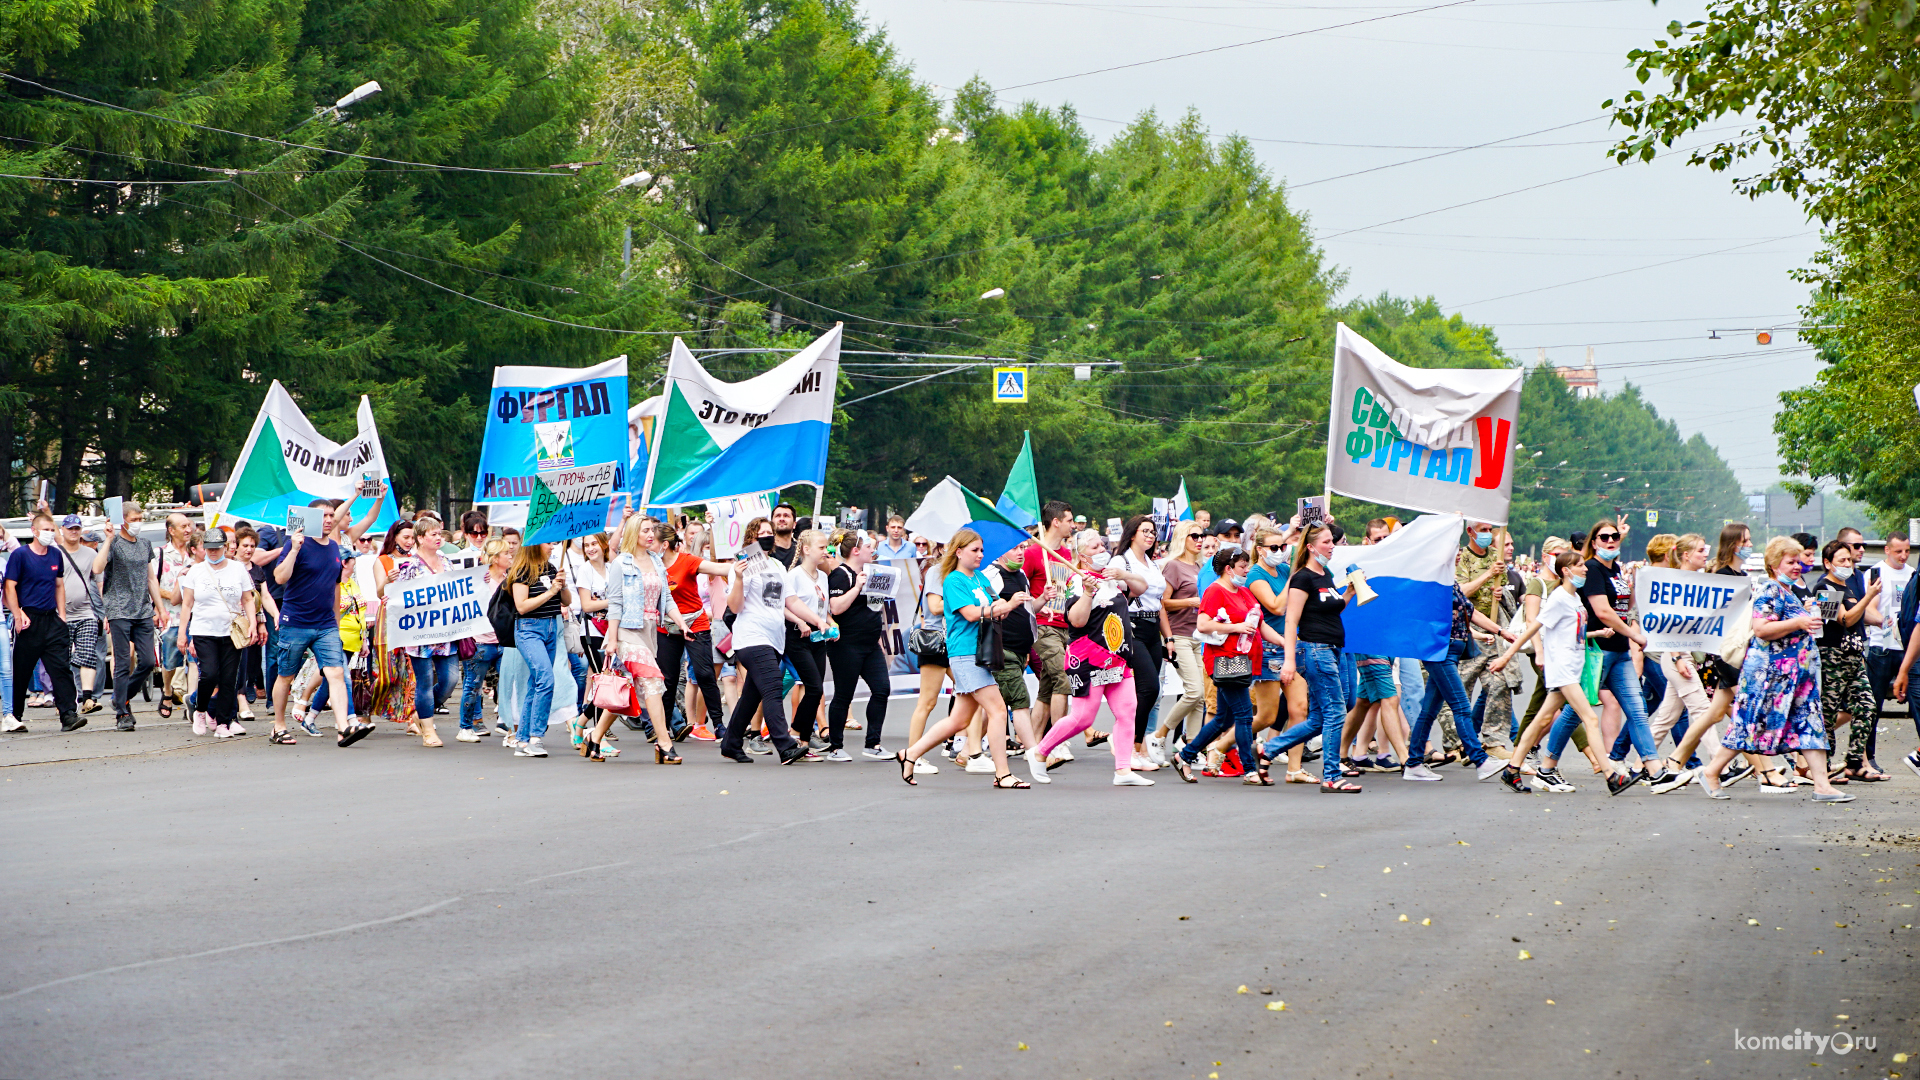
(1376, 677)
(967, 675)
(1272, 659)
(295, 641)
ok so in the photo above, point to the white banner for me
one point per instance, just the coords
(1438, 440)
(442, 607)
(1685, 610)
(285, 463)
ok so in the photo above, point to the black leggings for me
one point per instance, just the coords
(218, 693)
(809, 660)
(852, 663)
(1146, 672)
(671, 650)
(761, 666)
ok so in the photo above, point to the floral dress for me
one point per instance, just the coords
(1777, 707)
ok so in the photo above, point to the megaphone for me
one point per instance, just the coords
(1363, 593)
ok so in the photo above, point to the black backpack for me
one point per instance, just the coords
(1909, 599)
(501, 613)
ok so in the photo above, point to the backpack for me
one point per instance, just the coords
(1909, 598)
(501, 613)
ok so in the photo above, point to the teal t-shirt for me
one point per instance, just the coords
(961, 589)
(1277, 581)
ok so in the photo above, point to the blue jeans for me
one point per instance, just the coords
(432, 683)
(1235, 711)
(1413, 682)
(1349, 678)
(293, 642)
(473, 673)
(1654, 682)
(1326, 708)
(536, 638)
(322, 695)
(1616, 675)
(1443, 680)
(578, 665)
(6, 663)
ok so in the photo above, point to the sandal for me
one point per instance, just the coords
(1095, 738)
(906, 769)
(1866, 774)
(1339, 787)
(662, 755)
(282, 737)
(1299, 776)
(166, 709)
(1185, 768)
(1009, 782)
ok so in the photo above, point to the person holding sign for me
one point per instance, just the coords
(432, 664)
(309, 569)
(857, 655)
(1777, 708)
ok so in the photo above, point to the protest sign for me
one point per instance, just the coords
(438, 608)
(285, 463)
(543, 420)
(1431, 439)
(570, 502)
(1687, 611)
(730, 518)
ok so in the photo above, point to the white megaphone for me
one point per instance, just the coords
(1363, 593)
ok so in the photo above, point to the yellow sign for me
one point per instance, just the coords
(1010, 385)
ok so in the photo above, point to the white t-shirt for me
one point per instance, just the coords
(1147, 602)
(812, 591)
(1563, 638)
(763, 604)
(219, 593)
(1893, 583)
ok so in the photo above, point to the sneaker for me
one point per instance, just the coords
(125, 723)
(1832, 796)
(1515, 781)
(441, 711)
(876, 753)
(1385, 763)
(838, 755)
(509, 743)
(223, 731)
(1735, 773)
(481, 732)
(72, 721)
(1157, 750)
(1912, 761)
(236, 729)
(758, 745)
(1065, 753)
(530, 748)
(1363, 763)
(1489, 768)
(923, 767)
(307, 725)
(1129, 778)
(1037, 767)
(798, 755)
(808, 753)
(700, 733)
(12, 723)
(1668, 780)
(202, 723)
(1621, 781)
(1551, 780)
(466, 735)
(500, 727)
(979, 765)
(1419, 772)
(816, 743)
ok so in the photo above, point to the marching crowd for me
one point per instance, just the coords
(1057, 639)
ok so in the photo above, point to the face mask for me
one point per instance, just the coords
(46, 537)
(1745, 553)
(1606, 554)
(1273, 558)
(1577, 582)
(1842, 573)
(1100, 560)
(1482, 539)
(216, 560)
(1237, 579)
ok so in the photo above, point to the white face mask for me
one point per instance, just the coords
(1099, 560)
(46, 537)
(1237, 579)
(1842, 573)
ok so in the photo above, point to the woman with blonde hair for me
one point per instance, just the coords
(1182, 607)
(1777, 707)
(639, 599)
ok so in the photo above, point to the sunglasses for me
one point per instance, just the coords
(1275, 547)
(1606, 536)
(1858, 546)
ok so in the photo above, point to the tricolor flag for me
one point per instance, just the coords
(1182, 509)
(285, 463)
(1020, 499)
(950, 507)
(1412, 570)
(715, 440)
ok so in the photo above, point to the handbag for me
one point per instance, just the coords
(360, 682)
(571, 635)
(988, 651)
(928, 641)
(240, 631)
(1734, 641)
(1233, 669)
(1590, 673)
(614, 692)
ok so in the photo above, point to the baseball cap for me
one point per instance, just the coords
(91, 536)
(71, 521)
(214, 538)
(1225, 526)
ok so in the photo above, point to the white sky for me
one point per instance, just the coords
(1477, 72)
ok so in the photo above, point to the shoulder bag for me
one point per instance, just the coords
(988, 648)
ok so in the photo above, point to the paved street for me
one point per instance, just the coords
(186, 908)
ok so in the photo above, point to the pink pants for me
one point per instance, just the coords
(1080, 715)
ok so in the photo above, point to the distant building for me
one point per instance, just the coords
(1584, 380)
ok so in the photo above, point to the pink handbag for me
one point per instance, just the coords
(614, 692)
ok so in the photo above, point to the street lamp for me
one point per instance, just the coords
(358, 94)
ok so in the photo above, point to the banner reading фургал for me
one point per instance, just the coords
(1438, 440)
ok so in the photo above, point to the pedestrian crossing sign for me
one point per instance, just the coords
(1010, 385)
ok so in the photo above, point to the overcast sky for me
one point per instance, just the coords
(1530, 264)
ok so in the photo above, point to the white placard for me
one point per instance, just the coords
(730, 517)
(1685, 610)
(437, 608)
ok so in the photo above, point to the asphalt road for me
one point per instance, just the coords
(180, 907)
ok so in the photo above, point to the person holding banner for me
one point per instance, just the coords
(432, 664)
(1777, 708)
(639, 601)
(1311, 643)
(1684, 691)
(309, 569)
(1729, 560)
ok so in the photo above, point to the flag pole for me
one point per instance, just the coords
(659, 432)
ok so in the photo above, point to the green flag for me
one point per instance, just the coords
(1020, 498)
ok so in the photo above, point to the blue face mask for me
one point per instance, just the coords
(1745, 553)
(216, 560)
(1482, 539)
(1577, 582)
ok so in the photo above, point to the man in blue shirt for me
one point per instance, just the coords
(895, 547)
(37, 595)
(308, 568)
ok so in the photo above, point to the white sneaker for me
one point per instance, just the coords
(1157, 750)
(1129, 778)
(224, 731)
(510, 743)
(876, 753)
(531, 748)
(923, 767)
(1063, 753)
(12, 723)
(466, 735)
(1489, 768)
(1419, 772)
(1037, 767)
(980, 765)
(235, 729)
(202, 723)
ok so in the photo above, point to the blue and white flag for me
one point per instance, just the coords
(541, 420)
(1181, 509)
(1412, 571)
